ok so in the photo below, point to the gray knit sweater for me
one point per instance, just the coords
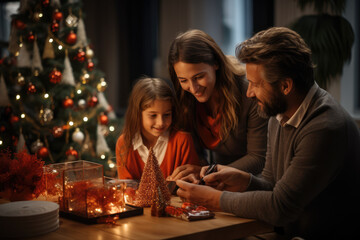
(310, 183)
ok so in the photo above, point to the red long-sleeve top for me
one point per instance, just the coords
(180, 150)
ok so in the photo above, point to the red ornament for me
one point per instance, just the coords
(90, 65)
(45, 3)
(43, 152)
(31, 37)
(68, 103)
(57, 131)
(20, 24)
(14, 119)
(2, 128)
(93, 101)
(55, 27)
(103, 119)
(31, 88)
(71, 38)
(57, 15)
(55, 76)
(80, 56)
(72, 154)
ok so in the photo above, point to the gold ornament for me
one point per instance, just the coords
(102, 85)
(20, 79)
(89, 53)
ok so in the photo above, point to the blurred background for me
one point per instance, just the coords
(130, 38)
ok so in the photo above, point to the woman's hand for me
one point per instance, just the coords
(227, 178)
(187, 172)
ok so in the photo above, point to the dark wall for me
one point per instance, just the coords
(263, 15)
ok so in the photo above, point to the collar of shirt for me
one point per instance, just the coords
(159, 147)
(296, 119)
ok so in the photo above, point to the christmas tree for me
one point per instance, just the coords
(52, 100)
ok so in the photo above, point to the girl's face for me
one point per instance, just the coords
(198, 79)
(156, 119)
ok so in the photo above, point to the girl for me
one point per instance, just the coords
(211, 89)
(149, 124)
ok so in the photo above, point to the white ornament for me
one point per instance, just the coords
(78, 136)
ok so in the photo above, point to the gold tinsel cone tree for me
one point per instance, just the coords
(152, 183)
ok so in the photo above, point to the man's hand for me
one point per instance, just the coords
(227, 178)
(199, 194)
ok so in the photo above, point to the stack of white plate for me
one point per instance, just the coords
(28, 218)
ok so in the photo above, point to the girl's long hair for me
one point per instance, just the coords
(145, 91)
(195, 46)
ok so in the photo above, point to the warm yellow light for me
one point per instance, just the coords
(60, 47)
(111, 165)
(102, 156)
(112, 128)
(79, 91)
(85, 119)
(71, 123)
(46, 95)
(51, 40)
(22, 115)
(18, 97)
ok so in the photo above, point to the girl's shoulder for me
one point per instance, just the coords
(179, 135)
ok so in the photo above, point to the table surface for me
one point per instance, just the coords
(222, 226)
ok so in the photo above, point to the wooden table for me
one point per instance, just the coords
(223, 226)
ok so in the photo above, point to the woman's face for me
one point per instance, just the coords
(198, 79)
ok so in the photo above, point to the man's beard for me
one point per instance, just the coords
(276, 105)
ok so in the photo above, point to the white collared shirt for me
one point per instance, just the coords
(296, 119)
(159, 147)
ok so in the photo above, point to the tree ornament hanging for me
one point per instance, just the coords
(102, 85)
(68, 103)
(72, 154)
(67, 75)
(85, 77)
(82, 103)
(57, 131)
(92, 101)
(37, 16)
(103, 119)
(55, 76)
(31, 88)
(14, 119)
(48, 49)
(89, 53)
(31, 37)
(90, 65)
(54, 27)
(57, 15)
(71, 20)
(71, 38)
(46, 115)
(78, 136)
(43, 152)
(20, 24)
(45, 3)
(80, 56)
(35, 146)
(20, 79)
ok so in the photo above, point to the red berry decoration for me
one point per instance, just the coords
(71, 38)
(90, 65)
(14, 119)
(43, 152)
(103, 119)
(45, 3)
(93, 101)
(55, 27)
(20, 24)
(80, 56)
(31, 37)
(68, 103)
(72, 154)
(57, 131)
(31, 88)
(55, 76)
(57, 15)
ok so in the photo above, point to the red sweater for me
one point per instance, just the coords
(180, 150)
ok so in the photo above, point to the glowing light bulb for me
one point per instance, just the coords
(60, 47)
(46, 95)
(71, 123)
(51, 40)
(85, 119)
(23, 115)
(79, 91)
(102, 156)
(111, 128)
(18, 97)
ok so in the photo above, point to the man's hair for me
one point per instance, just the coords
(283, 54)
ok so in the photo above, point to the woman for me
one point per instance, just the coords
(211, 89)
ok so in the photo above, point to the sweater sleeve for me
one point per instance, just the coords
(121, 160)
(317, 158)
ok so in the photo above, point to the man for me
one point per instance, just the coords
(310, 183)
